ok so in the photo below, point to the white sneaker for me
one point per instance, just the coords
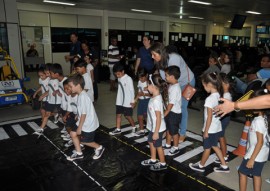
(56, 118)
(38, 132)
(63, 130)
(98, 153)
(69, 144)
(65, 135)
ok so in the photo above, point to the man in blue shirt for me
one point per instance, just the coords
(75, 48)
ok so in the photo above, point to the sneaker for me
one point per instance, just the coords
(65, 135)
(56, 118)
(115, 132)
(74, 151)
(98, 153)
(134, 129)
(64, 131)
(196, 167)
(69, 144)
(75, 156)
(140, 132)
(148, 162)
(173, 151)
(217, 161)
(158, 167)
(267, 180)
(166, 147)
(38, 132)
(221, 169)
(67, 138)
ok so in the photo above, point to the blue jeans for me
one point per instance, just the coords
(240, 86)
(183, 124)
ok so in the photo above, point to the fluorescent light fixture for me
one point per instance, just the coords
(181, 17)
(143, 11)
(58, 2)
(200, 2)
(253, 12)
(191, 17)
(229, 21)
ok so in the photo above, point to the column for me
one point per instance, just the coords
(253, 36)
(209, 34)
(105, 31)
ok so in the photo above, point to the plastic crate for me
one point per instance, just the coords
(12, 99)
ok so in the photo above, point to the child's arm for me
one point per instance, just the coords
(36, 92)
(81, 122)
(168, 109)
(158, 123)
(256, 151)
(65, 116)
(92, 75)
(43, 95)
(132, 93)
(208, 122)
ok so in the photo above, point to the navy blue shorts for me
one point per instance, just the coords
(126, 111)
(62, 112)
(71, 122)
(255, 171)
(158, 142)
(224, 123)
(43, 104)
(87, 137)
(142, 107)
(211, 141)
(52, 107)
(172, 122)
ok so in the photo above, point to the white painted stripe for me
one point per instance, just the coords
(189, 154)
(33, 125)
(52, 125)
(19, 130)
(194, 136)
(210, 160)
(3, 134)
(180, 146)
(126, 129)
(130, 135)
(141, 140)
(20, 120)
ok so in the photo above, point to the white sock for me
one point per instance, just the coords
(163, 163)
(99, 148)
(153, 160)
(225, 158)
(201, 166)
(168, 145)
(176, 148)
(79, 153)
(224, 166)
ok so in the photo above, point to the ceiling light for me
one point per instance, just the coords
(181, 17)
(143, 11)
(60, 3)
(253, 12)
(229, 21)
(191, 17)
(200, 2)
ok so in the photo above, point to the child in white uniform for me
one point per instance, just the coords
(212, 125)
(257, 148)
(155, 124)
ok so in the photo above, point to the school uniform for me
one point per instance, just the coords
(89, 68)
(155, 104)
(259, 124)
(143, 100)
(215, 126)
(125, 96)
(44, 88)
(63, 106)
(72, 109)
(53, 101)
(173, 119)
(91, 123)
(88, 86)
(226, 119)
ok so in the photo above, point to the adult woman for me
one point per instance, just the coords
(164, 58)
(144, 58)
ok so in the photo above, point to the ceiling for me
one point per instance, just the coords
(220, 11)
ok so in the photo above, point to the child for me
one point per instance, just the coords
(155, 124)
(257, 148)
(227, 84)
(212, 125)
(87, 121)
(143, 96)
(54, 100)
(173, 111)
(80, 67)
(214, 65)
(43, 82)
(124, 99)
(89, 67)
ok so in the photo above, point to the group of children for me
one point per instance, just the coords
(159, 104)
(72, 98)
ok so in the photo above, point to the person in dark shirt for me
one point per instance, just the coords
(75, 49)
(32, 52)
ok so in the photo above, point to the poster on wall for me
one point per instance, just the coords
(119, 37)
(195, 36)
(180, 35)
(139, 38)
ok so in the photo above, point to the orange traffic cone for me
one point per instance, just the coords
(241, 149)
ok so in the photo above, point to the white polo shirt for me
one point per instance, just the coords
(155, 104)
(64, 95)
(141, 86)
(53, 86)
(72, 104)
(175, 97)
(258, 125)
(88, 86)
(125, 92)
(89, 68)
(85, 106)
(211, 102)
(44, 86)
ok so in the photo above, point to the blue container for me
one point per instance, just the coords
(12, 99)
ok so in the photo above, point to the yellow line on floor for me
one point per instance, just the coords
(171, 167)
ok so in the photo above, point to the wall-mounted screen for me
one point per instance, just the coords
(262, 29)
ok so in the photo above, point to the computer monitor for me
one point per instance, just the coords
(262, 29)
